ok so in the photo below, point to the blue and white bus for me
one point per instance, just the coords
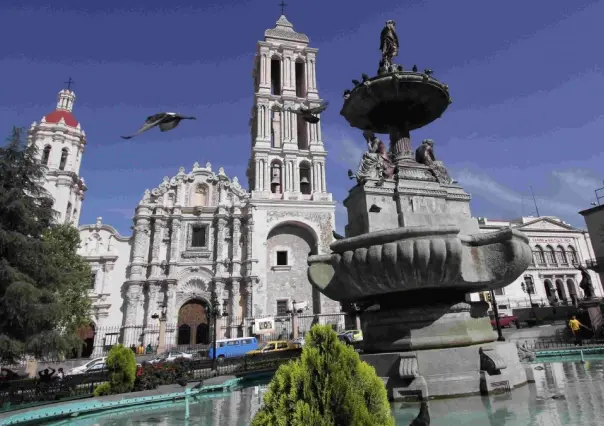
(229, 348)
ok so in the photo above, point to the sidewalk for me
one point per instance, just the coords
(114, 401)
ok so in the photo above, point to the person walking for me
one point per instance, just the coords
(575, 327)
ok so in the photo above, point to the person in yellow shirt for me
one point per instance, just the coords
(575, 327)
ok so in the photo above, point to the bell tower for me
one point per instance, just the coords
(61, 141)
(288, 157)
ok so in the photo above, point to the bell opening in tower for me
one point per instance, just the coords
(300, 80)
(302, 134)
(276, 178)
(63, 162)
(276, 76)
(305, 187)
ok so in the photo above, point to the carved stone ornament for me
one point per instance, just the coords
(491, 362)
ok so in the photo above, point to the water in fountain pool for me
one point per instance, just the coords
(564, 393)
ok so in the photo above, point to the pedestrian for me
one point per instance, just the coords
(575, 327)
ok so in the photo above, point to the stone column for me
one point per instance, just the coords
(257, 175)
(294, 128)
(248, 306)
(174, 244)
(296, 175)
(236, 237)
(248, 240)
(158, 227)
(152, 308)
(141, 247)
(315, 186)
(266, 180)
(171, 311)
(323, 182)
(400, 144)
(133, 294)
(220, 225)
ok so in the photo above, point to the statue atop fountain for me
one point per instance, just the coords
(412, 251)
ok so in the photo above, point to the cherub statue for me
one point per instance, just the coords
(376, 162)
(424, 154)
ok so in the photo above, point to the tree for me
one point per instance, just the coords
(121, 365)
(328, 385)
(39, 269)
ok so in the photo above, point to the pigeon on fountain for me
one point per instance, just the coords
(365, 77)
(356, 82)
(428, 71)
(414, 68)
(198, 385)
(423, 418)
(336, 235)
(165, 120)
(310, 114)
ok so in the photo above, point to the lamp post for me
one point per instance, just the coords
(500, 337)
(161, 344)
(528, 286)
(216, 312)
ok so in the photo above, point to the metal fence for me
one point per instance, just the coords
(197, 337)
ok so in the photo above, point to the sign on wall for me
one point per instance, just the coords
(551, 240)
(264, 325)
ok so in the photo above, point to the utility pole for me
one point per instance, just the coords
(500, 337)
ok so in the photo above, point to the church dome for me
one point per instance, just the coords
(65, 100)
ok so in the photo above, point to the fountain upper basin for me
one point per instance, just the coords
(414, 258)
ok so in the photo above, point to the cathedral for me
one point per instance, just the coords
(201, 230)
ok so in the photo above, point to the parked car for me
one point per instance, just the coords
(274, 346)
(355, 335)
(505, 321)
(99, 366)
(82, 368)
(228, 348)
(299, 342)
(170, 356)
(7, 374)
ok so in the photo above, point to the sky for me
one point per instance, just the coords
(526, 79)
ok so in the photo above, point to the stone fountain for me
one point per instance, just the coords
(413, 252)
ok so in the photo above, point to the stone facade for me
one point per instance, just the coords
(200, 230)
(555, 245)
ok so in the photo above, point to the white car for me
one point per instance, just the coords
(171, 356)
(82, 368)
(100, 366)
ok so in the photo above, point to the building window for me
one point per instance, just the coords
(63, 163)
(571, 255)
(68, 213)
(300, 79)
(46, 155)
(282, 258)
(305, 187)
(93, 280)
(198, 236)
(281, 308)
(276, 76)
(539, 256)
(276, 178)
(561, 256)
(550, 256)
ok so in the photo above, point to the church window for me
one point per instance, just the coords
(275, 76)
(63, 163)
(68, 213)
(282, 258)
(282, 307)
(561, 256)
(302, 134)
(46, 155)
(538, 256)
(571, 255)
(305, 187)
(93, 280)
(198, 236)
(300, 80)
(550, 255)
(276, 178)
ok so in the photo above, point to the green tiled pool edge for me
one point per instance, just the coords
(88, 407)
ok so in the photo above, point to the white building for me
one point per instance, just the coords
(200, 230)
(556, 246)
(61, 141)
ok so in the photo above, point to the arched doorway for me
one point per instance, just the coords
(549, 291)
(572, 290)
(87, 334)
(193, 327)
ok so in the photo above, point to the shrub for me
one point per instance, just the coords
(328, 385)
(103, 389)
(121, 365)
(150, 376)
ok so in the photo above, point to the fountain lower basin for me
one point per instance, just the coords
(419, 258)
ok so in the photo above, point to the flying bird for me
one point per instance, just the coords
(310, 114)
(165, 120)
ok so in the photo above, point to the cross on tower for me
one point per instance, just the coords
(282, 4)
(69, 83)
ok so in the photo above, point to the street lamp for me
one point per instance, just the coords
(216, 312)
(500, 337)
(528, 286)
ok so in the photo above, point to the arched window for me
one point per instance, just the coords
(46, 155)
(538, 256)
(68, 213)
(550, 255)
(63, 163)
(571, 255)
(305, 186)
(276, 177)
(74, 215)
(561, 256)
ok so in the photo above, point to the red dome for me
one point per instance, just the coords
(55, 117)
